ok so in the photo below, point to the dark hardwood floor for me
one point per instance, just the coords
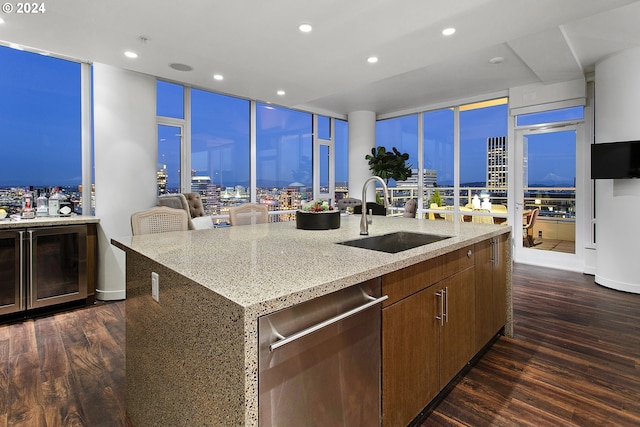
(64, 370)
(574, 360)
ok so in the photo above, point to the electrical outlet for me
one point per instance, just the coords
(155, 286)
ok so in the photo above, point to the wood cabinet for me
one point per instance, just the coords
(410, 342)
(491, 288)
(428, 332)
(457, 331)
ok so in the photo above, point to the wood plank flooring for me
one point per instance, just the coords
(574, 361)
(64, 370)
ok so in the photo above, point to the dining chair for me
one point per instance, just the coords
(249, 214)
(482, 219)
(527, 229)
(159, 219)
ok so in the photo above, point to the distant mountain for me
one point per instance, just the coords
(553, 180)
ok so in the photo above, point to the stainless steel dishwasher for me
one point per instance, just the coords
(319, 361)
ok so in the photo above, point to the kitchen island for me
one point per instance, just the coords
(192, 357)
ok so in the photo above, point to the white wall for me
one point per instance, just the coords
(617, 86)
(125, 151)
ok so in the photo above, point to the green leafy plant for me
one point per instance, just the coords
(389, 164)
(435, 198)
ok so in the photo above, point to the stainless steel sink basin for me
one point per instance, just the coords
(394, 242)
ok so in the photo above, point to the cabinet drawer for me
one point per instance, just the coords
(402, 283)
(456, 261)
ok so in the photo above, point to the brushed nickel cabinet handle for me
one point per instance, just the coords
(440, 317)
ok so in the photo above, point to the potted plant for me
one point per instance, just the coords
(389, 164)
(317, 215)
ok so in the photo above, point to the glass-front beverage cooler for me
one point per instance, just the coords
(42, 266)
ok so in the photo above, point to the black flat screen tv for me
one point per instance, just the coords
(615, 160)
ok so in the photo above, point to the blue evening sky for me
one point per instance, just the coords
(40, 134)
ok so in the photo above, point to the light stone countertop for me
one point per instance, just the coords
(45, 221)
(267, 267)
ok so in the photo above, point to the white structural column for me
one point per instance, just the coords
(362, 138)
(126, 160)
(617, 85)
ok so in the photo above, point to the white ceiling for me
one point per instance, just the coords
(256, 45)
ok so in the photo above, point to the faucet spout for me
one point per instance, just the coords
(365, 221)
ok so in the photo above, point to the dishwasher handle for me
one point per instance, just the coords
(318, 326)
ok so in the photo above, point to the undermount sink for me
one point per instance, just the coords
(394, 242)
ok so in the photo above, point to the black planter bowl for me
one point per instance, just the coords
(317, 220)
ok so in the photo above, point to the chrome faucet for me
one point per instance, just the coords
(365, 221)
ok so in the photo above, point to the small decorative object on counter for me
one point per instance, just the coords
(42, 204)
(27, 206)
(317, 215)
(65, 205)
(54, 203)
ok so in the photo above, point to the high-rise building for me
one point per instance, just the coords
(429, 179)
(161, 177)
(203, 186)
(497, 163)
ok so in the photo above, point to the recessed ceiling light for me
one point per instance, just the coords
(130, 54)
(372, 59)
(180, 67)
(305, 28)
(448, 31)
(218, 77)
(281, 92)
(496, 60)
(1, 21)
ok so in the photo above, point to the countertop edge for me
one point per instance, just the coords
(302, 293)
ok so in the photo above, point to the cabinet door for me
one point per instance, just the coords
(457, 335)
(409, 357)
(485, 315)
(58, 265)
(11, 272)
(491, 288)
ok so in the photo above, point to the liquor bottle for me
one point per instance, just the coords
(27, 205)
(54, 203)
(42, 204)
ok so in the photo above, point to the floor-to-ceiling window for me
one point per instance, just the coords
(482, 172)
(401, 133)
(170, 112)
(220, 157)
(438, 164)
(284, 168)
(40, 128)
(483, 161)
(341, 158)
(205, 146)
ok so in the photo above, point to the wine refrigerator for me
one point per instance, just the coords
(42, 267)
